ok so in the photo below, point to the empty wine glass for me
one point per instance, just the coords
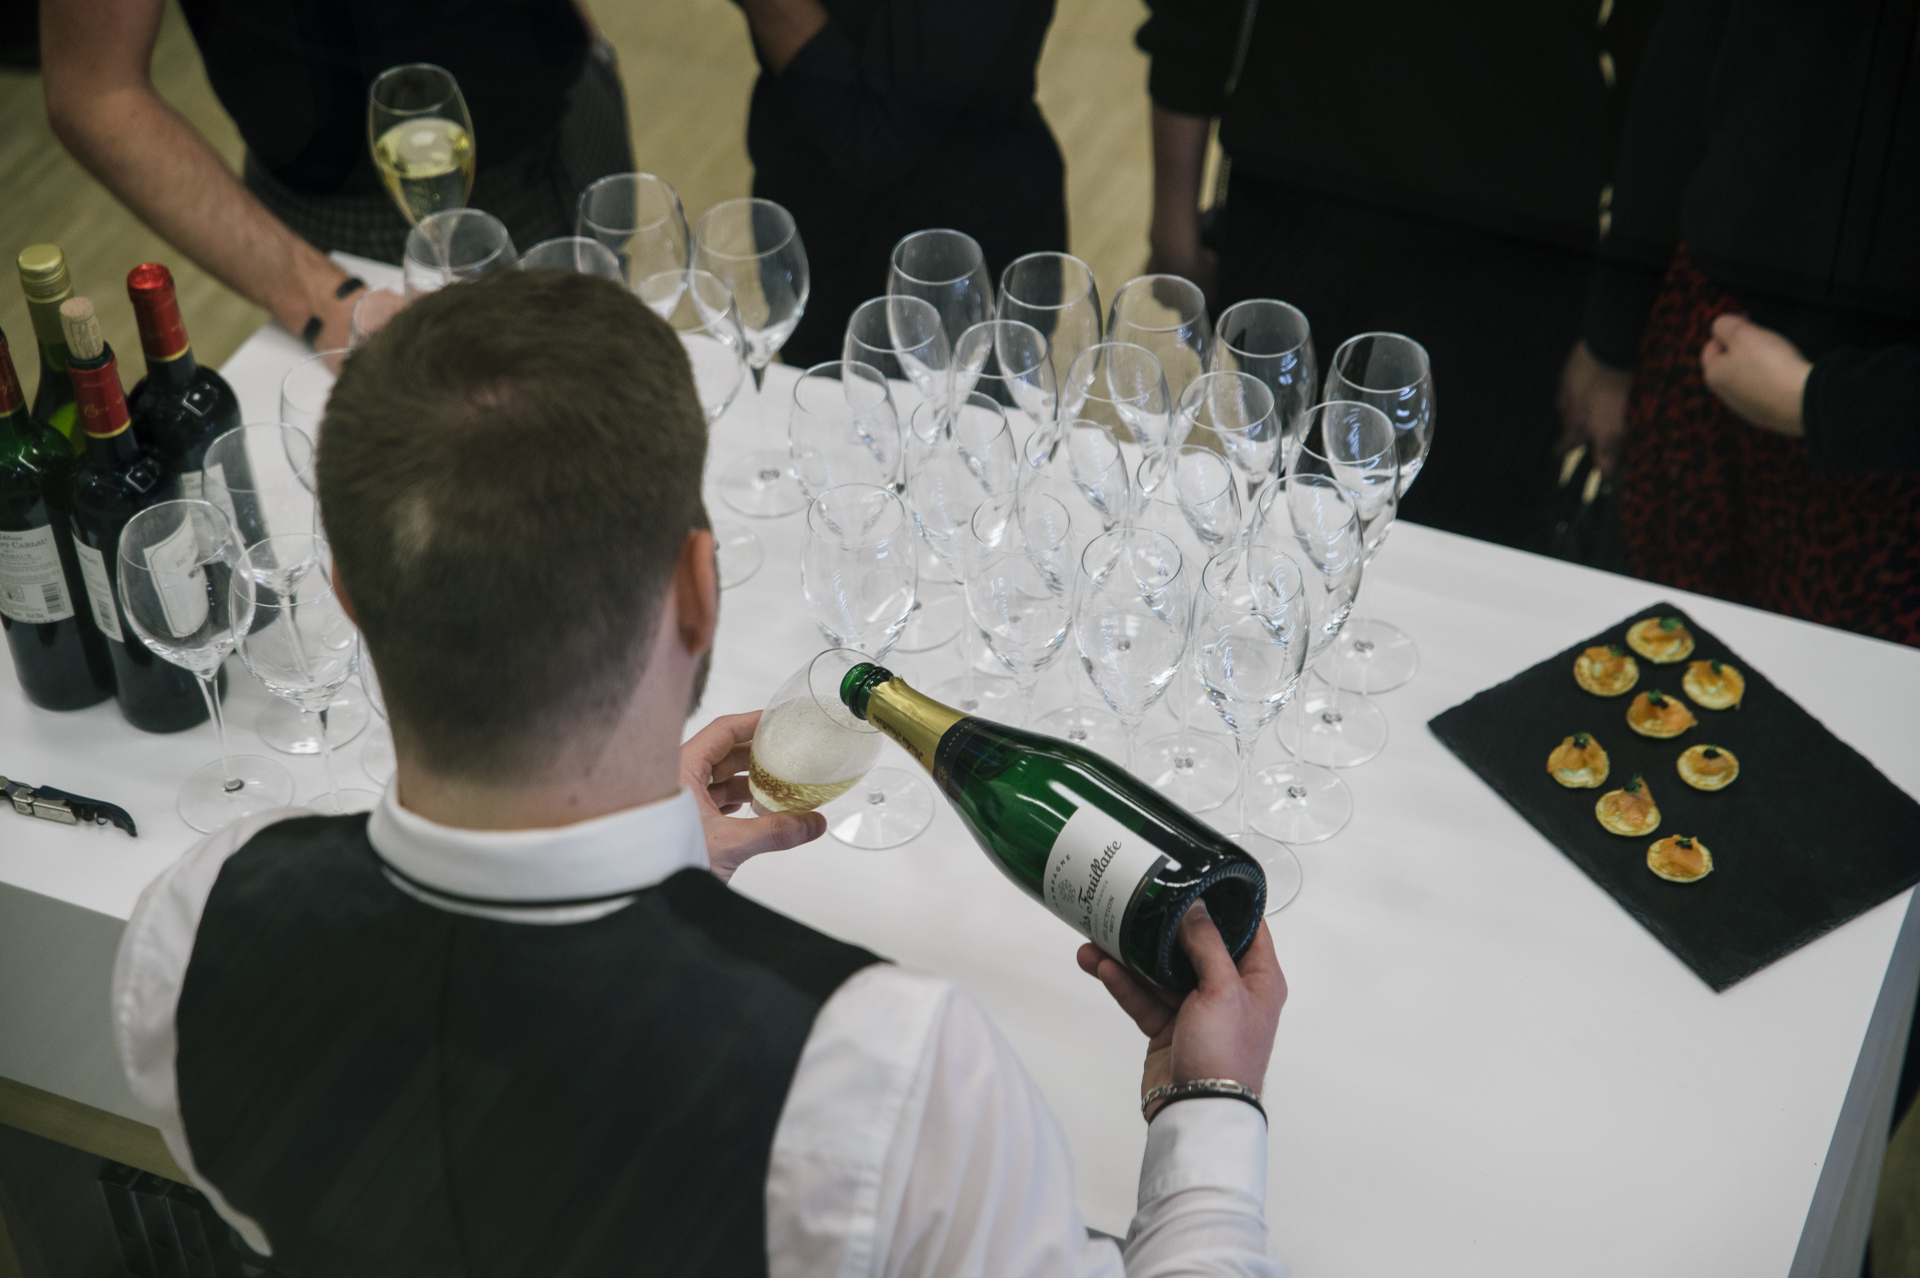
(704, 317)
(638, 216)
(422, 138)
(859, 572)
(1132, 600)
(754, 246)
(1009, 361)
(1167, 315)
(1055, 293)
(371, 313)
(1207, 488)
(261, 477)
(1019, 581)
(1393, 374)
(1191, 767)
(1351, 444)
(1252, 628)
(1236, 411)
(809, 749)
(576, 254)
(302, 646)
(376, 753)
(1121, 386)
(904, 339)
(960, 452)
(305, 389)
(1312, 518)
(947, 270)
(455, 247)
(843, 429)
(1099, 470)
(174, 571)
(1272, 341)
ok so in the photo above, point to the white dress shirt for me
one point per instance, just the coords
(912, 1141)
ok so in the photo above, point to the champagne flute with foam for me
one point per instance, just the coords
(422, 138)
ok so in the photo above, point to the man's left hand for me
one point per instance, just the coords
(1757, 373)
(713, 764)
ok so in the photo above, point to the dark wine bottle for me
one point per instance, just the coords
(44, 280)
(179, 407)
(58, 654)
(117, 479)
(1100, 848)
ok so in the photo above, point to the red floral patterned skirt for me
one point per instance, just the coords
(1713, 505)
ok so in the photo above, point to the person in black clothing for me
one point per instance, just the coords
(548, 113)
(873, 119)
(1762, 271)
(1433, 170)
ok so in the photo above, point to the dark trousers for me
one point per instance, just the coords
(1497, 316)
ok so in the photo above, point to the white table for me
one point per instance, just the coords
(1485, 1067)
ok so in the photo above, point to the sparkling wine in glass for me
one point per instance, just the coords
(1394, 375)
(178, 561)
(422, 138)
(809, 749)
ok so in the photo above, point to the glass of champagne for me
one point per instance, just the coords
(422, 138)
(178, 561)
(638, 216)
(455, 247)
(809, 749)
(1393, 374)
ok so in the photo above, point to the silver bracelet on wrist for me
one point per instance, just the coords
(1167, 1093)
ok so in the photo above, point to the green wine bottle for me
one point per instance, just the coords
(1100, 848)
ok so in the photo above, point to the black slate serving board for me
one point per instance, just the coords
(1808, 836)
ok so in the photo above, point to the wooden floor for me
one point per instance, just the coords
(687, 67)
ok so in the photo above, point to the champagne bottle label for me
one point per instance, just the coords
(33, 590)
(179, 579)
(1093, 873)
(93, 570)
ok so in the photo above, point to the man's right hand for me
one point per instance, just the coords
(1223, 1029)
(1593, 408)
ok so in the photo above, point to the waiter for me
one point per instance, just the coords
(548, 113)
(873, 119)
(514, 1022)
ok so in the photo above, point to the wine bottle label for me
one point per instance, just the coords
(93, 571)
(179, 579)
(1095, 868)
(33, 590)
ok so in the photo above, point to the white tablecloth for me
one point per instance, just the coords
(1485, 1066)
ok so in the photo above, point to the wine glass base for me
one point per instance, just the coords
(343, 802)
(888, 807)
(995, 699)
(377, 758)
(1373, 656)
(737, 551)
(282, 726)
(207, 804)
(935, 620)
(1087, 726)
(1343, 729)
(1197, 770)
(760, 485)
(1281, 865)
(1299, 803)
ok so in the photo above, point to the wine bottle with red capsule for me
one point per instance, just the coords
(180, 406)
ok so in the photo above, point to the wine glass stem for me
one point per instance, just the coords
(1029, 685)
(1243, 752)
(211, 692)
(326, 755)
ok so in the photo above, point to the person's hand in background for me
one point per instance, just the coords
(1757, 373)
(1593, 408)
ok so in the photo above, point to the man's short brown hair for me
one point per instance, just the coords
(508, 472)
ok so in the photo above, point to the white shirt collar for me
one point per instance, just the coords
(589, 861)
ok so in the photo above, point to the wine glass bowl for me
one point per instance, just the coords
(1009, 361)
(1122, 386)
(577, 254)
(1236, 412)
(843, 429)
(1271, 341)
(1132, 597)
(947, 270)
(808, 748)
(1167, 315)
(455, 246)
(754, 247)
(904, 339)
(639, 218)
(1056, 294)
(1018, 573)
(422, 138)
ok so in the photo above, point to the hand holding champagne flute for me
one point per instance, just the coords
(809, 748)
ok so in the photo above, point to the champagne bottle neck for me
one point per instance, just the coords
(913, 719)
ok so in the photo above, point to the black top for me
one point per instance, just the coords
(886, 81)
(294, 74)
(393, 1089)
(1497, 114)
(1781, 143)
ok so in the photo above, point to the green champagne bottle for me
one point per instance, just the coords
(1100, 848)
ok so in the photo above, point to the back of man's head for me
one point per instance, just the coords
(508, 473)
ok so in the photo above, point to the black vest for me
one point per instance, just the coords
(390, 1088)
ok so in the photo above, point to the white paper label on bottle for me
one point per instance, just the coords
(192, 485)
(33, 590)
(214, 489)
(179, 579)
(93, 570)
(1092, 873)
